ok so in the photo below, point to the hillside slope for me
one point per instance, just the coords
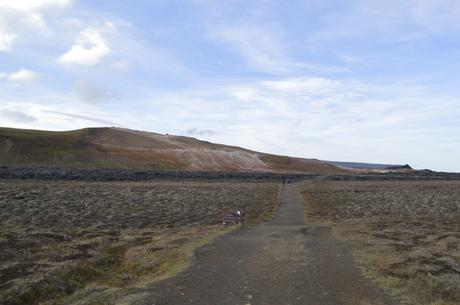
(124, 148)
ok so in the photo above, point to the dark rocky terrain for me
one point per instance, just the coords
(56, 173)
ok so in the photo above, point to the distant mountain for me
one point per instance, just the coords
(370, 166)
(124, 148)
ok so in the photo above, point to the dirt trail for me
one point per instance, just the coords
(281, 262)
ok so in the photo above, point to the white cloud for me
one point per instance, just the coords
(200, 132)
(23, 75)
(32, 5)
(6, 40)
(312, 85)
(89, 49)
(15, 116)
(80, 117)
(19, 15)
(91, 94)
(260, 47)
(391, 21)
(435, 14)
(264, 48)
(35, 114)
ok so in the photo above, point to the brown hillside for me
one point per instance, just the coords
(124, 148)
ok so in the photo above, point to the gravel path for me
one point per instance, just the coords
(281, 262)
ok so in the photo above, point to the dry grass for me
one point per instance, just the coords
(405, 234)
(93, 242)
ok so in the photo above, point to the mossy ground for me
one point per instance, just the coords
(94, 243)
(405, 235)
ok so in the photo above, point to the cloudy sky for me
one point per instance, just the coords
(372, 81)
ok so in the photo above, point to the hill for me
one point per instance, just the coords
(130, 149)
(369, 166)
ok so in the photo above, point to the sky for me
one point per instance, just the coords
(370, 81)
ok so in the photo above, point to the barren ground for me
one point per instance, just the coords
(405, 234)
(90, 242)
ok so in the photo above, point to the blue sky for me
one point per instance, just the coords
(371, 81)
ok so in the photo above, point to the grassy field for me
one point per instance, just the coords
(95, 242)
(405, 235)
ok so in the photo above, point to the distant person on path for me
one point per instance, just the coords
(238, 216)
